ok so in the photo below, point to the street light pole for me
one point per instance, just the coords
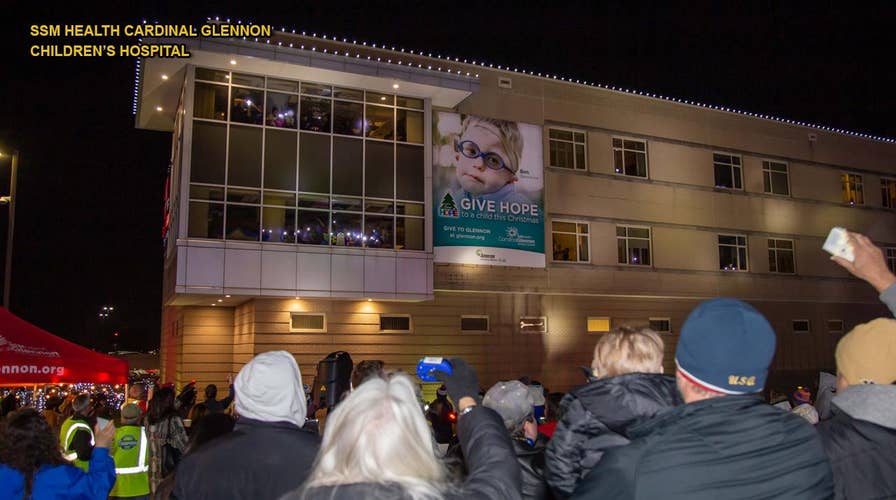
(11, 200)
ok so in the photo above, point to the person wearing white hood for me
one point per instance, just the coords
(268, 453)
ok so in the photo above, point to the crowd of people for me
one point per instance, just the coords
(629, 432)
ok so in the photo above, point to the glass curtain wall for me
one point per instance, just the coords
(292, 162)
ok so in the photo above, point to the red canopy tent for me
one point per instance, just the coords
(30, 355)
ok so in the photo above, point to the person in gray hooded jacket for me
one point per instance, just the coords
(860, 437)
(268, 453)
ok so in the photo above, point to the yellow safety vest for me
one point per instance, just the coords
(130, 450)
(67, 434)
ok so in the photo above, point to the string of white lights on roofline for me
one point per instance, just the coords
(529, 73)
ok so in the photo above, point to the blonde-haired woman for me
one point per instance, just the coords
(628, 386)
(377, 444)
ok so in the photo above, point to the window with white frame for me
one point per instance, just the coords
(534, 324)
(474, 323)
(630, 157)
(775, 178)
(567, 149)
(570, 241)
(891, 258)
(308, 322)
(728, 171)
(835, 325)
(598, 324)
(661, 325)
(780, 256)
(853, 189)
(801, 326)
(888, 193)
(633, 245)
(733, 252)
(395, 323)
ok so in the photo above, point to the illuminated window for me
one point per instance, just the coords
(308, 322)
(633, 245)
(732, 252)
(727, 171)
(853, 191)
(780, 256)
(598, 324)
(888, 193)
(661, 325)
(567, 149)
(630, 157)
(570, 241)
(801, 326)
(476, 324)
(775, 178)
(335, 166)
(891, 258)
(534, 324)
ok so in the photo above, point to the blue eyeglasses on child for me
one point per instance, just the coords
(491, 160)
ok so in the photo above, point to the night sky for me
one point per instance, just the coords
(89, 209)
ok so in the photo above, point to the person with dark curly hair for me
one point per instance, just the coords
(32, 466)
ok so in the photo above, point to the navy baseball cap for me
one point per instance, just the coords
(726, 346)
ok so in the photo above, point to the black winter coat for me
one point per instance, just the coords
(258, 460)
(597, 416)
(728, 447)
(494, 472)
(532, 467)
(860, 440)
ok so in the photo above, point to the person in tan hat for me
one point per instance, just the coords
(860, 437)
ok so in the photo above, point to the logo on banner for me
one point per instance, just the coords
(448, 208)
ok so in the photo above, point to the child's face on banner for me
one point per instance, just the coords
(473, 174)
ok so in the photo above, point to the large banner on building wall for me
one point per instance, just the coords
(488, 181)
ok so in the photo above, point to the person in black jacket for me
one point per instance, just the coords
(629, 386)
(377, 444)
(513, 402)
(725, 442)
(267, 454)
(860, 437)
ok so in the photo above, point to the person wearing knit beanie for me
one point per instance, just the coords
(860, 435)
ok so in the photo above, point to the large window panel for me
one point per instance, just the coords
(312, 227)
(242, 222)
(281, 110)
(314, 163)
(244, 168)
(280, 160)
(379, 123)
(348, 118)
(206, 193)
(346, 230)
(380, 170)
(278, 224)
(409, 233)
(348, 166)
(379, 231)
(315, 114)
(210, 101)
(212, 75)
(246, 105)
(410, 126)
(409, 167)
(208, 152)
(206, 220)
